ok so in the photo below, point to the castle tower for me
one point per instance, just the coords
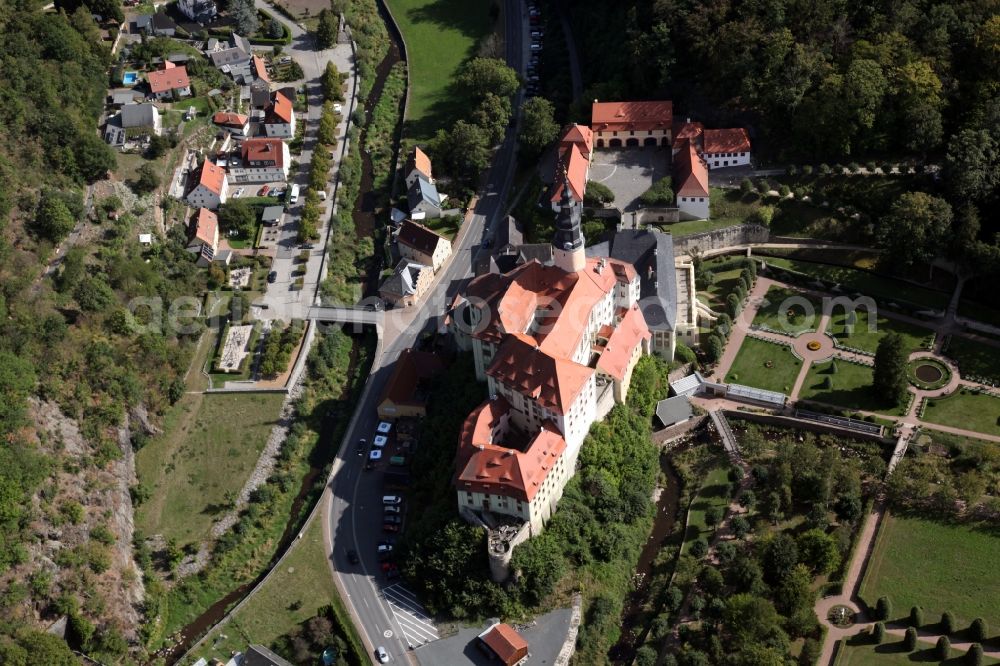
(567, 244)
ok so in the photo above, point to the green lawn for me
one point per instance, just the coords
(979, 312)
(750, 366)
(851, 387)
(692, 227)
(210, 444)
(785, 310)
(713, 492)
(729, 207)
(974, 358)
(724, 282)
(446, 226)
(859, 652)
(964, 409)
(297, 590)
(439, 36)
(876, 286)
(937, 566)
(914, 337)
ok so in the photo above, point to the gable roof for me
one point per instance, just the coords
(692, 174)
(688, 130)
(616, 116)
(230, 119)
(732, 140)
(411, 369)
(674, 410)
(419, 237)
(423, 191)
(139, 115)
(280, 110)
(403, 281)
(506, 643)
(213, 177)
(576, 173)
(258, 655)
(582, 136)
(161, 21)
(651, 252)
(553, 382)
(206, 227)
(241, 43)
(418, 160)
(263, 150)
(259, 68)
(624, 339)
(171, 77)
(485, 465)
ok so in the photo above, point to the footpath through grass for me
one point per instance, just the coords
(979, 412)
(440, 35)
(209, 446)
(937, 566)
(765, 365)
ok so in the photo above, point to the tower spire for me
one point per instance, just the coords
(568, 243)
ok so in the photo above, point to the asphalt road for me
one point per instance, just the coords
(355, 512)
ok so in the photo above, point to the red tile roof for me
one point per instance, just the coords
(621, 345)
(229, 119)
(691, 172)
(506, 643)
(280, 110)
(618, 116)
(213, 177)
(733, 140)
(172, 77)
(263, 150)
(576, 166)
(410, 369)
(259, 68)
(552, 382)
(206, 227)
(484, 465)
(688, 130)
(419, 237)
(581, 135)
(418, 160)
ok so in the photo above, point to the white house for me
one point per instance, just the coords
(279, 117)
(424, 199)
(418, 165)
(237, 52)
(260, 161)
(691, 181)
(723, 148)
(205, 236)
(169, 82)
(210, 192)
(134, 120)
(236, 124)
(632, 124)
(422, 245)
(199, 11)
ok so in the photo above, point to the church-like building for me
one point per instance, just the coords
(556, 344)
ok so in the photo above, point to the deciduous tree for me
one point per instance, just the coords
(538, 125)
(889, 376)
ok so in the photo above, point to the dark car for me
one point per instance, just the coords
(360, 448)
(389, 527)
(391, 518)
(272, 276)
(352, 557)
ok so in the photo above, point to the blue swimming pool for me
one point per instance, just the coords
(130, 77)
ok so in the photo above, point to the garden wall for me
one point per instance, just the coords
(740, 234)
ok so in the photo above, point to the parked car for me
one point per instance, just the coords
(536, 34)
(381, 655)
(536, 47)
(392, 519)
(388, 565)
(390, 527)
(362, 445)
(264, 190)
(272, 276)
(392, 499)
(338, 107)
(384, 547)
(352, 557)
(392, 508)
(238, 193)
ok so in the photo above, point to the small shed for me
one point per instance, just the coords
(145, 239)
(504, 644)
(674, 410)
(271, 215)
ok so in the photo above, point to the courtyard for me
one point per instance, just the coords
(629, 172)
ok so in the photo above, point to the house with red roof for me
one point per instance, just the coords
(504, 644)
(409, 385)
(418, 165)
(170, 82)
(279, 117)
(723, 148)
(236, 124)
(210, 192)
(691, 183)
(573, 167)
(260, 160)
(204, 236)
(632, 124)
(422, 245)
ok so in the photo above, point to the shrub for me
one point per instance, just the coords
(699, 549)
(916, 616)
(597, 194)
(784, 191)
(714, 347)
(883, 608)
(746, 186)
(661, 193)
(977, 630)
(791, 170)
(763, 187)
(828, 383)
(943, 648)
(878, 633)
(947, 623)
(762, 216)
(910, 639)
(974, 657)
(807, 170)
(825, 169)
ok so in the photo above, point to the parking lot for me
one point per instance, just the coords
(629, 172)
(411, 618)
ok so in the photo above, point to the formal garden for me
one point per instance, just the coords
(863, 329)
(967, 409)
(765, 365)
(788, 311)
(845, 384)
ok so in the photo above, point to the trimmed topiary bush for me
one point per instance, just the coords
(974, 657)
(916, 616)
(910, 639)
(878, 633)
(947, 623)
(977, 630)
(943, 648)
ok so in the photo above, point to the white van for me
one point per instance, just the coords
(293, 195)
(322, 195)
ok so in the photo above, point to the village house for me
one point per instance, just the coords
(424, 200)
(204, 236)
(236, 52)
(418, 165)
(132, 122)
(422, 245)
(409, 386)
(691, 183)
(408, 282)
(260, 161)
(259, 68)
(551, 370)
(505, 644)
(199, 11)
(279, 117)
(573, 167)
(723, 148)
(236, 124)
(625, 124)
(170, 82)
(162, 25)
(210, 192)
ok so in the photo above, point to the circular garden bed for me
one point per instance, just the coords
(928, 373)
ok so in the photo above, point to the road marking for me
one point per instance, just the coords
(387, 633)
(411, 618)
